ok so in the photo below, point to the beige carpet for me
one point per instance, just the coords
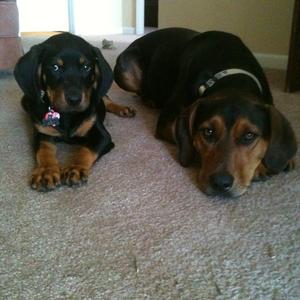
(140, 228)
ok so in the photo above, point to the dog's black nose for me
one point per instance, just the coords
(73, 97)
(221, 182)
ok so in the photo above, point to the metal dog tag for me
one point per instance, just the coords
(51, 118)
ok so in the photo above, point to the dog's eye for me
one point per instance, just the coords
(55, 67)
(86, 68)
(208, 133)
(248, 138)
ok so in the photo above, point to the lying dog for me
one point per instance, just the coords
(215, 105)
(65, 80)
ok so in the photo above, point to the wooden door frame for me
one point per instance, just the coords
(293, 69)
(151, 13)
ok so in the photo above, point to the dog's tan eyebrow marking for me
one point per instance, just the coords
(60, 62)
(242, 125)
(81, 60)
(217, 123)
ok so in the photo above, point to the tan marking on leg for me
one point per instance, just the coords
(78, 170)
(167, 133)
(118, 109)
(46, 176)
(131, 79)
(261, 173)
(290, 165)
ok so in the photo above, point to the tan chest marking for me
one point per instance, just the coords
(81, 131)
(48, 130)
(85, 126)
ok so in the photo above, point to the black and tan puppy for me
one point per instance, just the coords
(215, 105)
(64, 81)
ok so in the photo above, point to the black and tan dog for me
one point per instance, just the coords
(215, 105)
(65, 81)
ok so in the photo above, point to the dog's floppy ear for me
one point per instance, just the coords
(283, 145)
(184, 131)
(103, 73)
(26, 71)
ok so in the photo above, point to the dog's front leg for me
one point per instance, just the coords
(98, 142)
(76, 173)
(46, 175)
(118, 109)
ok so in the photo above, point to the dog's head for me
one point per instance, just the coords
(233, 137)
(67, 69)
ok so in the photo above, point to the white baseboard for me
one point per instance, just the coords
(129, 30)
(272, 61)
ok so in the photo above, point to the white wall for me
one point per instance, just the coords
(91, 17)
(43, 15)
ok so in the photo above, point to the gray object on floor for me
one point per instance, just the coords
(106, 44)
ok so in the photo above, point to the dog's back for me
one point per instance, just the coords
(153, 54)
(161, 60)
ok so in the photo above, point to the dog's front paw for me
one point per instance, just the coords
(46, 179)
(125, 111)
(75, 175)
(118, 109)
(290, 166)
(261, 173)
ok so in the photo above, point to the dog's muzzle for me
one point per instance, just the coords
(221, 182)
(73, 96)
